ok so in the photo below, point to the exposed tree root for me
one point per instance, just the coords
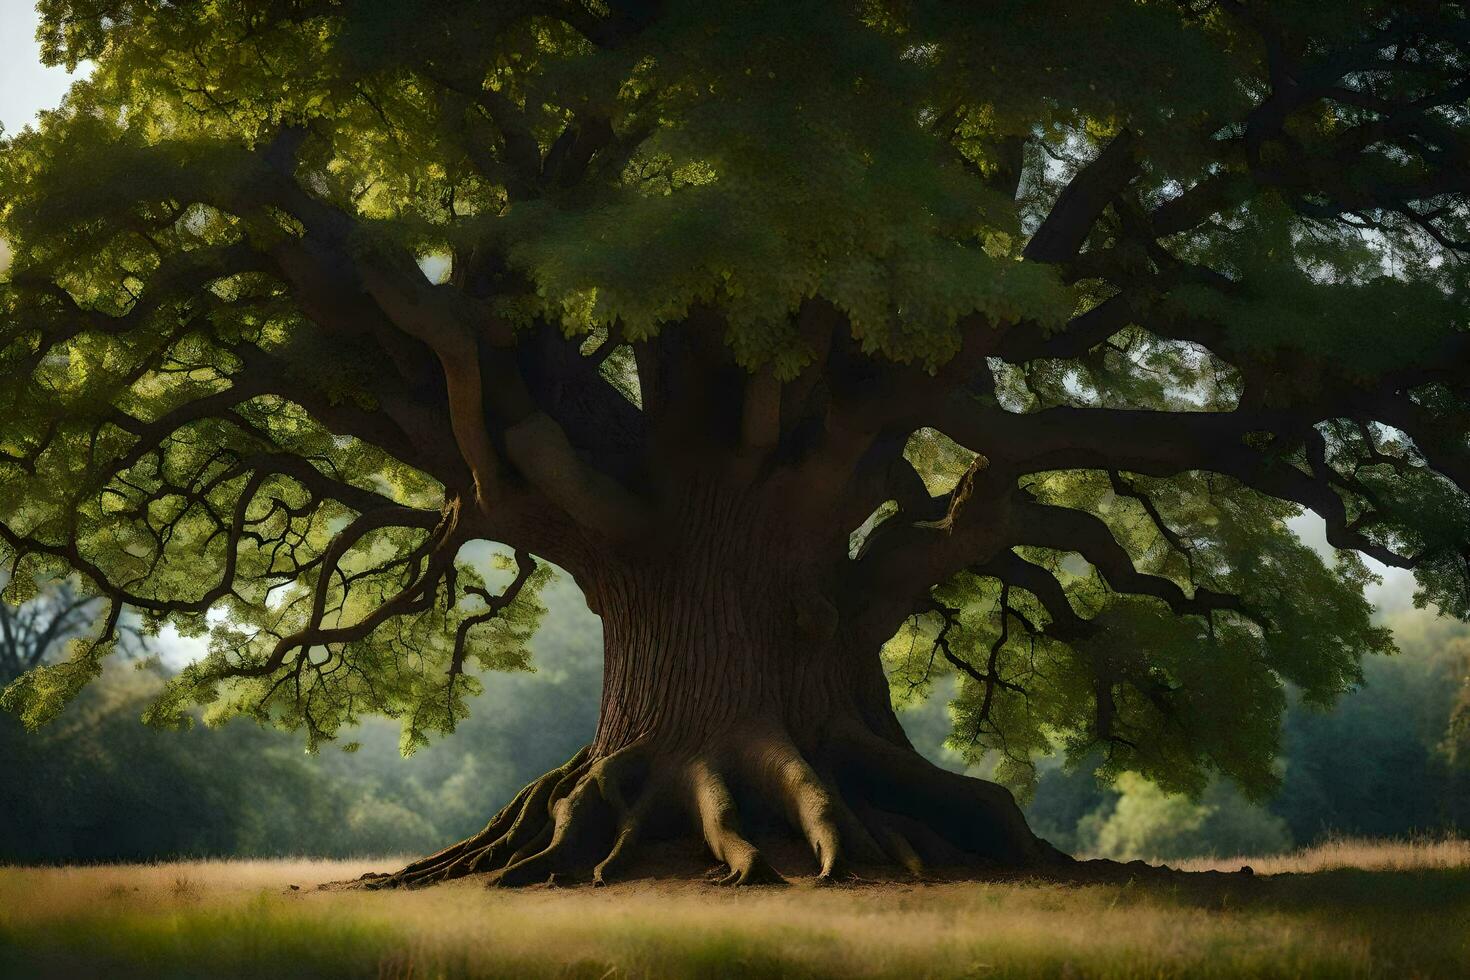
(861, 807)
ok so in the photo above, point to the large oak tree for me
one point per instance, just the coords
(1002, 339)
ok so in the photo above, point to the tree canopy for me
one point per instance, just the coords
(1045, 318)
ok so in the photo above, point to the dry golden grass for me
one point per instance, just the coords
(1351, 852)
(47, 893)
(1408, 917)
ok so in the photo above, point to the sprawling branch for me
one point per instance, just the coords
(1068, 530)
(256, 471)
(1166, 444)
(474, 349)
(495, 605)
(1082, 201)
(435, 555)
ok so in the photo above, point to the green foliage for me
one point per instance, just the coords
(762, 183)
(1383, 761)
(1376, 764)
(166, 375)
(1191, 696)
(117, 791)
(405, 675)
(1148, 823)
(99, 786)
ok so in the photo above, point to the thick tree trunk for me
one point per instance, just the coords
(739, 719)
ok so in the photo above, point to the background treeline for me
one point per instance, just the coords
(99, 786)
(1389, 760)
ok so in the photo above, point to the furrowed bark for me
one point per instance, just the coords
(742, 723)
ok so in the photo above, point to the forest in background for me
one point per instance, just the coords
(1391, 759)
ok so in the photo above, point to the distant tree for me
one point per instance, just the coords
(1399, 732)
(1382, 762)
(1147, 823)
(32, 631)
(1456, 743)
(1394, 783)
(98, 786)
(37, 629)
(1012, 333)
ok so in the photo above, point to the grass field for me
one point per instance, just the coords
(1345, 910)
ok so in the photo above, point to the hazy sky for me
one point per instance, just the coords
(26, 85)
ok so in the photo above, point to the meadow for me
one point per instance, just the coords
(1347, 909)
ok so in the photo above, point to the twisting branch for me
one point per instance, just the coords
(435, 556)
(494, 605)
(1064, 529)
(990, 678)
(1082, 201)
(471, 344)
(1013, 570)
(1123, 488)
